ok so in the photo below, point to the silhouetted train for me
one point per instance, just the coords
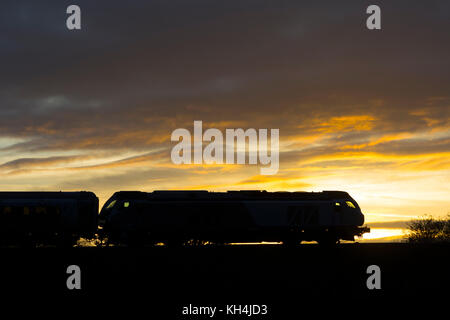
(175, 217)
(61, 218)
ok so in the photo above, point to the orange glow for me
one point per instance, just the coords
(387, 184)
(383, 234)
(346, 123)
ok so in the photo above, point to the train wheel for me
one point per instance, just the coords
(174, 243)
(218, 243)
(289, 243)
(130, 238)
(66, 241)
(134, 239)
(27, 242)
(328, 241)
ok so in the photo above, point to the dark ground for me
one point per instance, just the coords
(283, 278)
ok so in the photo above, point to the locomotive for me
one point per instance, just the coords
(48, 218)
(177, 217)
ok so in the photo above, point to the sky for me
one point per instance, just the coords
(365, 111)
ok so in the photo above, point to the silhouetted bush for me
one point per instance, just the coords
(429, 229)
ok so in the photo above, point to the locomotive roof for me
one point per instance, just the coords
(231, 195)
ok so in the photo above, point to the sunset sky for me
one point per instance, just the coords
(363, 111)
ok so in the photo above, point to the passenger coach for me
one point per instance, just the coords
(58, 218)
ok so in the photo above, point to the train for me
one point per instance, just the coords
(177, 218)
(47, 218)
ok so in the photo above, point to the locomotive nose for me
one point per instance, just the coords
(360, 218)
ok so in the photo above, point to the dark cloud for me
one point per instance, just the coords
(140, 69)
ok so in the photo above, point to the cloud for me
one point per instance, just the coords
(94, 109)
(399, 224)
(38, 162)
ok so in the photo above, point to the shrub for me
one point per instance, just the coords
(429, 229)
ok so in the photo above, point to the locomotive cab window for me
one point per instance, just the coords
(350, 204)
(111, 204)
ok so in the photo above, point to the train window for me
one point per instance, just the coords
(26, 211)
(349, 204)
(7, 210)
(337, 206)
(111, 204)
(41, 210)
(126, 204)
